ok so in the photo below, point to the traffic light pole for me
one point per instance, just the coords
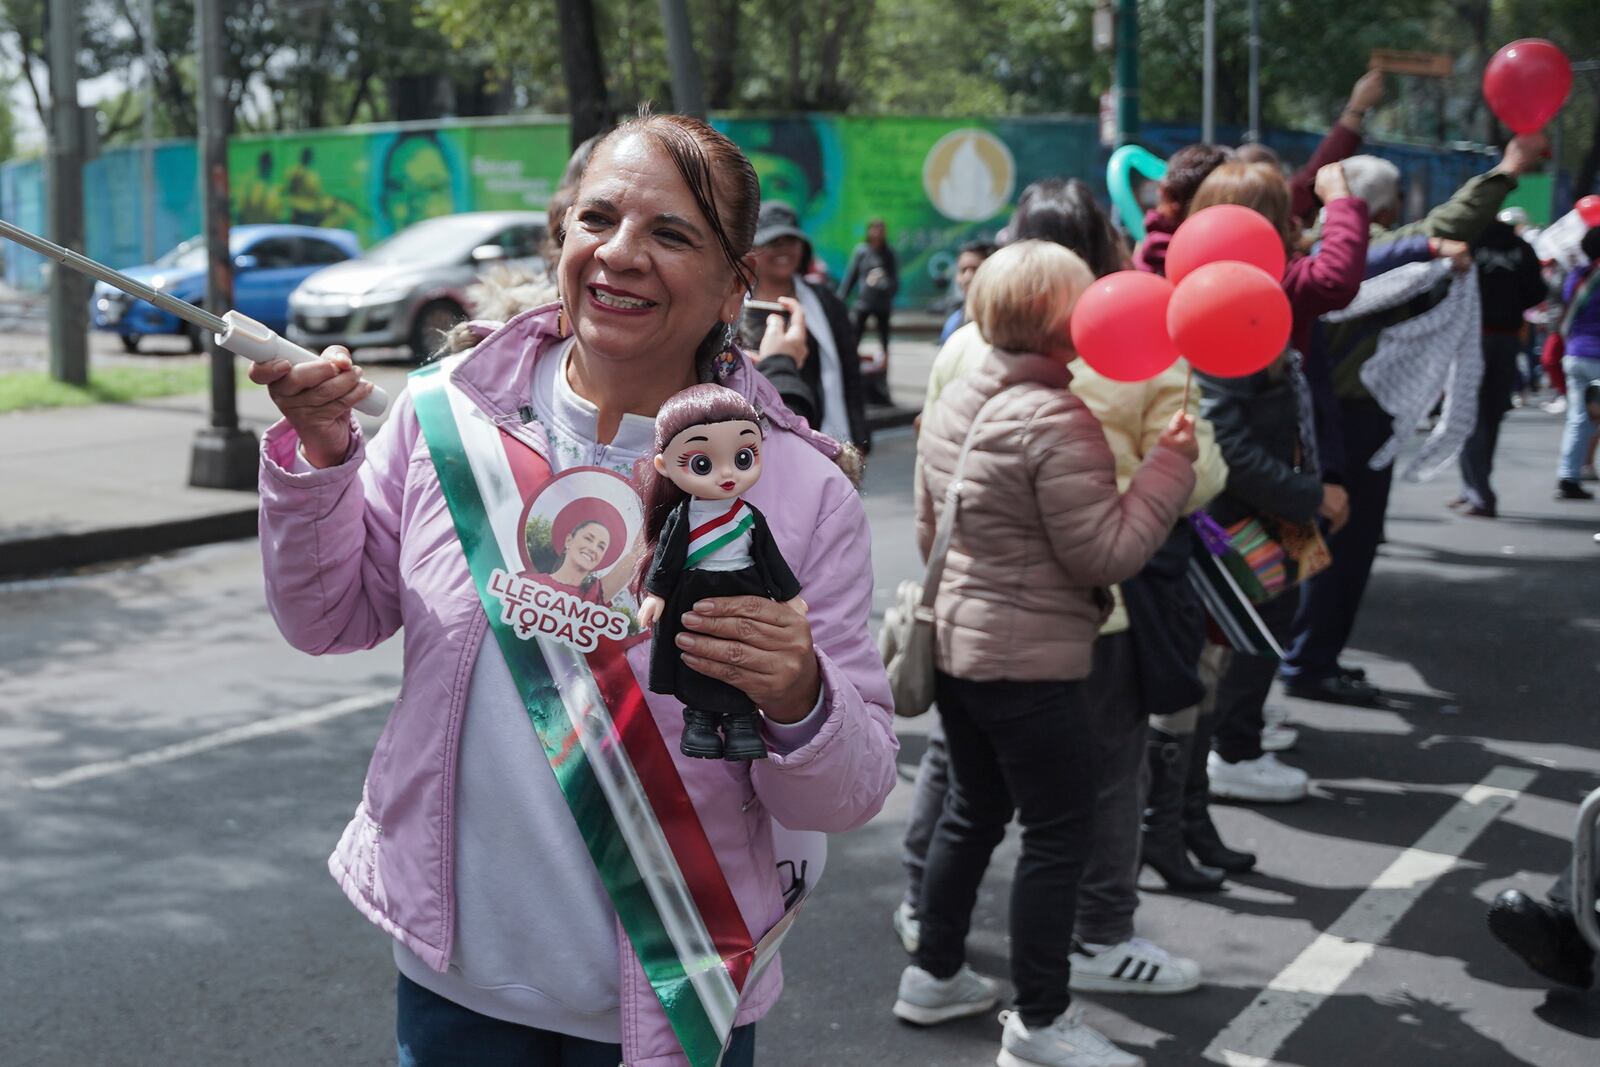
(223, 455)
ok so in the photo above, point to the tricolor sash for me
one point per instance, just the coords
(609, 758)
(714, 533)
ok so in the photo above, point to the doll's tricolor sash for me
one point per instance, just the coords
(608, 756)
(722, 530)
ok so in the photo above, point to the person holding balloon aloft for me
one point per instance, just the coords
(1311, 668)
(1042, 530)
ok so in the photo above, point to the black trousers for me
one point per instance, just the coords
(1330, 600)
(860, 317)
(1494, 399)
(1242, 690)
(1019, 748)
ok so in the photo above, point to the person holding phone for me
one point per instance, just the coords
(822, 385)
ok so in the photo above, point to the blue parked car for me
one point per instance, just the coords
(268, 262)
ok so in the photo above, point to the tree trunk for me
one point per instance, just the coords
(721, 76)
(581, 68)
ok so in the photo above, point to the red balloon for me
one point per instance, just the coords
(1526, 82)
(1229, 319)
(1589, 210)
(1225, 232)
(1119, 326)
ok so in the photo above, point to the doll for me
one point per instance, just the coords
(707, 542)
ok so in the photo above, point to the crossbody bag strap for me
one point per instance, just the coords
(1580, 296)
(947, 520)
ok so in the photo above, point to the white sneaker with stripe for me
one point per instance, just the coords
(1135, 966)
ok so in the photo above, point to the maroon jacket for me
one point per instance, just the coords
(1329, 279)
(1151, 255)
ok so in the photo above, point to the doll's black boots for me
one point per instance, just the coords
(738, 739)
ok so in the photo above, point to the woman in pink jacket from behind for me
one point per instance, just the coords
(1041, 532)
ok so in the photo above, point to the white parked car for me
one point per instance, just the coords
(410, 288)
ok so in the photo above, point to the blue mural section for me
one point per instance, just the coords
(113, 201)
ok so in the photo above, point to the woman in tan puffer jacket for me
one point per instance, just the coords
(1040, 533)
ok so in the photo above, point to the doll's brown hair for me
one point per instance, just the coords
(698, 405)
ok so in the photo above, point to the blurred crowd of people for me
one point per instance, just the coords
(1084, 686)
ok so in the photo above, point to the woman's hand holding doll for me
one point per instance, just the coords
(758, 645)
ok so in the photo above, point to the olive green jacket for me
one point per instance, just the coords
(1463, 217)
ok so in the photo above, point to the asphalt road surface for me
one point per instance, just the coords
(172, 778)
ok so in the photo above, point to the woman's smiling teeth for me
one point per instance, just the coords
(620, 302)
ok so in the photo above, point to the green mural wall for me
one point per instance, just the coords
(935, 182)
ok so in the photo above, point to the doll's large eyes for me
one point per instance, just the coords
(700, 464)
(744, 459)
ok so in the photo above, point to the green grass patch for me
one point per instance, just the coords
(27, 390)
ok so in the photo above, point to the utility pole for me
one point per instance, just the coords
(1208, 82)
(1254, 132)
(69, 291)
(148, 154)
(1127, 74)
(688, 91)
(223, 456)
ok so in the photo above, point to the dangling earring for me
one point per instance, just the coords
(728, 358)
(561, 320)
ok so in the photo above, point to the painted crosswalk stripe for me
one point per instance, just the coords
(1258, 1032)
(297, 720)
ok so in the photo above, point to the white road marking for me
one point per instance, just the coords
(206, 742)
(1259, 1031)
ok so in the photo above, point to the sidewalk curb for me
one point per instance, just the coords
(32, 557)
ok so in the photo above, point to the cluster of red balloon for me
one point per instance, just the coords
(1221, 305)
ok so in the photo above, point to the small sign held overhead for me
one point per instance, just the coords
(1421, 64)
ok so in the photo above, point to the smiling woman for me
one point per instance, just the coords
(510, 834)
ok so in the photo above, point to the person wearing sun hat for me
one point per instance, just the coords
(824, 388)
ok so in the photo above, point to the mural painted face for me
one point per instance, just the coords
(641, 273)
(718, 461)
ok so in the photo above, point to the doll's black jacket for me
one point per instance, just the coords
(664, 580)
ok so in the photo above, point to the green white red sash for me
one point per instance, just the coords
(609, 758)
(713, 534)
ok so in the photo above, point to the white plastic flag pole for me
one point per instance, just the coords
(237, 333)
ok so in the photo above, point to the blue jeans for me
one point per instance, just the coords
(432, 1031)
(1575, 438)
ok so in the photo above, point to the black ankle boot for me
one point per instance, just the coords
(743, 733)
(1161, 847)
(1199, 832)
(700, 737)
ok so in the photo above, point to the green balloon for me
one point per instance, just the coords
(1119, 180)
